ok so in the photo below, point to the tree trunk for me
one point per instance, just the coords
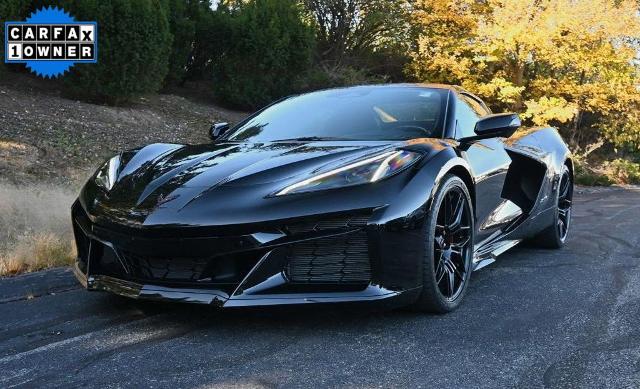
(573, 140)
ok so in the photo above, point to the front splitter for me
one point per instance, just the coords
(221, 299)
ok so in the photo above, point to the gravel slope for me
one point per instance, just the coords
(46, 136)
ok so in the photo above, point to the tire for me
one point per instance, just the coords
(555, 236)
(448, 237)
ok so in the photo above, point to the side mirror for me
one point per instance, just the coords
(496, 125)
(217, 129)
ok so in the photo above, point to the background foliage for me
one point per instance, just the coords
(269, 45)
(182, 24)
(572, 64)
(134, 47)
(11, 10)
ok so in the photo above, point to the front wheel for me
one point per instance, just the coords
(448, 236)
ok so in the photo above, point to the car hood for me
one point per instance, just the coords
(174, 177)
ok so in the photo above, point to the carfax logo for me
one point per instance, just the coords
(50, 41)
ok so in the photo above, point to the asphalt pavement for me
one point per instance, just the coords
(536, 318)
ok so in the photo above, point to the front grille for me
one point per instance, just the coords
(342, 259)
(195, 271)
(335, 223)
(165, 268)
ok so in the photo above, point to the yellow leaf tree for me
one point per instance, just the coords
(570, 63)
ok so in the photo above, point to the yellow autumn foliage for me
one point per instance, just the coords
(547, 109)
(570, 63)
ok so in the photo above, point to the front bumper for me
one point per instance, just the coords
(331, 259)
(221, 299)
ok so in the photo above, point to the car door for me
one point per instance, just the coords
(489, 163)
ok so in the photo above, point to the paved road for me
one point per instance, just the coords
(535, 318)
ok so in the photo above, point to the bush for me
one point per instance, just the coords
(584, 174)
(624, 171)
(134, 43)
(11, 10)
(320, 77)
(183, 30)
(212, 38)
(271, 44)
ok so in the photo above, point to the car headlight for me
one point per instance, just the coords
(368, 170)
(108, 173)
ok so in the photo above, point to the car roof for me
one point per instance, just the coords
(455, 88)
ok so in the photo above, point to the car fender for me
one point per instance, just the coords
(415, 199)
(397, 229)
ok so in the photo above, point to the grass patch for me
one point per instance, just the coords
(37, 252)
(588, 177)
(585, 174)
(624, 171)
(617, 171)
(35, 228)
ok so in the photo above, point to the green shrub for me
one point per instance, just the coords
(624, 171)
(11, 10)
(320, 77)
(183, 30)
(584, 174)
(271, 45)
(211, 41)
(134, 43)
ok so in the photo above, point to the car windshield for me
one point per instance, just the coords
(357, 113)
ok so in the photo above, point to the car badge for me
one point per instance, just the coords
(162, 199)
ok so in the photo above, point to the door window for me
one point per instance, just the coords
(466, 119)
(479, 108)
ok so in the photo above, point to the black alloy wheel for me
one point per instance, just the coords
(449, 248)
(452, 243)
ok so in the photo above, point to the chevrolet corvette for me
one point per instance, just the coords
(390, 194)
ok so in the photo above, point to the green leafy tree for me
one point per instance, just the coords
(183, 30)
(11, 10)
(134, 43)
(360, 40)
(211, 40)
(271, 45)
(351, 27)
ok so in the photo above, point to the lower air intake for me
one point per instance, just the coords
(165, 268)
(334, 223)
(342, 259)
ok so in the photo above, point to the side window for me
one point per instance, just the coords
(477, 107)
(466, 119)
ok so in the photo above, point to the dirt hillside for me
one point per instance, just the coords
(45, 137)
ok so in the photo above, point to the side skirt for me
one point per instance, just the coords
(488, 255)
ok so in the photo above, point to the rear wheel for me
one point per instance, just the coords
(448, 235)
(555, 235)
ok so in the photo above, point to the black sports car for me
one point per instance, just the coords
(392, 194)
